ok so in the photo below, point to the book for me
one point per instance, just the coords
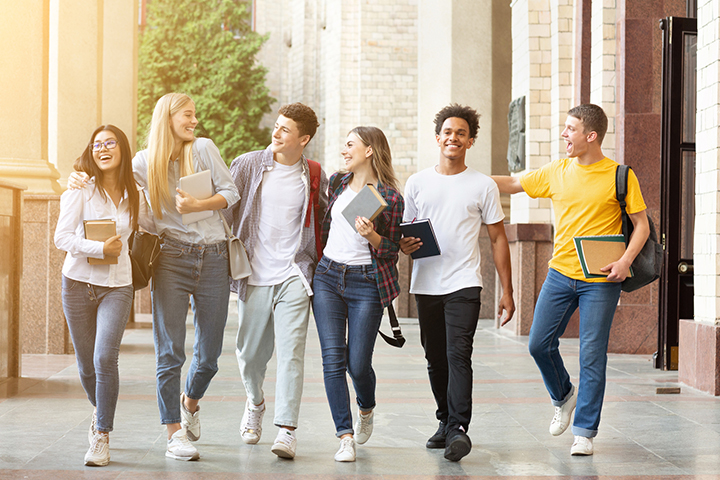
(423, 230)
(199, 185)
(100, 230)
(598, 251)
(367, 203)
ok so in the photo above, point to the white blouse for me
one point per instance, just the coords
(87, 203)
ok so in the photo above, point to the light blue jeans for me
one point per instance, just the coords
(96, 317)
(188, 271)
(274, 315)
(559, 297)
(347, 292)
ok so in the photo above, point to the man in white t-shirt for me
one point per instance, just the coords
(280, 201)
(458, 200)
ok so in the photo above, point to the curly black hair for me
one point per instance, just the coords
(471, 116)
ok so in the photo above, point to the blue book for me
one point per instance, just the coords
(423, 230)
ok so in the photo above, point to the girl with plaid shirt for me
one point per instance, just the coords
(355, 280)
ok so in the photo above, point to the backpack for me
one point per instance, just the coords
(314, 204)
(648, 264)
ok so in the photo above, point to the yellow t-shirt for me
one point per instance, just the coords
(583, 198)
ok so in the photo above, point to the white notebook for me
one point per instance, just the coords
(199, 185)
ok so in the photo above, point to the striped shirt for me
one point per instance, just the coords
(387, 225)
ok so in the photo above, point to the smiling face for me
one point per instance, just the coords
(576, 138)
(355, 153)
(183, 123)
(454, 138)
(107, 159)
(286, 137)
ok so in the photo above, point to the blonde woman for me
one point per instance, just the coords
(193, 264)
(354, 281)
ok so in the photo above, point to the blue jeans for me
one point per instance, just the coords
(185, 270)
(559, 297)
(347, 292)
(96, 317)
(269, 315)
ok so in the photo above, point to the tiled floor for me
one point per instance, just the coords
(45, 415)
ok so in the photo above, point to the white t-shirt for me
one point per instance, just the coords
(282, 201)
(344, 244)
(457, 205)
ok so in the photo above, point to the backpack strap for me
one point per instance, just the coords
(621, 179)
(314, 204)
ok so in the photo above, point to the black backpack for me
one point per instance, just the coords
(647, 265)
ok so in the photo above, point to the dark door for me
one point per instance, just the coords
(677, 197)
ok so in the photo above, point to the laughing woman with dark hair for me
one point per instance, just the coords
(97, 297)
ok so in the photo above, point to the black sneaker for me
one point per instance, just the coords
(458, 445)
(438, 438)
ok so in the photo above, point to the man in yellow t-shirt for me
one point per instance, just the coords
(582, 190)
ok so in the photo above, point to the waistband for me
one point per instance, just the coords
(197, 247)
(366, 269)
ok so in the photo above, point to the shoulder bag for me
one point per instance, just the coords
(239, 263)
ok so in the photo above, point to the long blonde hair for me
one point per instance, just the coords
(381, 157)
(160, 142)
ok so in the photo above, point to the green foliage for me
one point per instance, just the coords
(206, 49)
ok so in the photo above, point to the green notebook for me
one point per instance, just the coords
(597, 251)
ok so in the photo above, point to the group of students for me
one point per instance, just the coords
(272, 200)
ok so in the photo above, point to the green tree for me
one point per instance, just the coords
(206, 49)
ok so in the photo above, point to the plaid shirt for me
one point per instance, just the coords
(244, 217)
(387, 225)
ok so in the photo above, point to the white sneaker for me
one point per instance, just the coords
(180, 448)
(285, 443)
(582, 446)
(364, 427)
(561, 420)
(93, 427)
(98, 455)
(251, 426)
(346, 452)
(190, 421)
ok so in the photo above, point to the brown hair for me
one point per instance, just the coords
(381, 159)
(593, 119)
(303, 116)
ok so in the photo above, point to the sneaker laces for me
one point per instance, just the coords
(557, 418)
(285, 437)
(181, 440)
(97, 444)
(253, 418)
(364, 423)
(346, 444)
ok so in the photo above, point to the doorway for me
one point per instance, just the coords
(677, 197)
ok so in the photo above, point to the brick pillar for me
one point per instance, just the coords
(699, 362)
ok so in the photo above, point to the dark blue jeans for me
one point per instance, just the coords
(347, 292)
(185, 271)
(96, 317)
(559, 297)
(447, 329)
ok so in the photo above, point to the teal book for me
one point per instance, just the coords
(598, 251)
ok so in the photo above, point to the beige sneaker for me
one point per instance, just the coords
(364, 427)
(251, 426)
(346, 452)
(190, 421)
(180, 448)
(285, 444)
(93, 427)
(582, 446)
(98, 455)
(561, 420)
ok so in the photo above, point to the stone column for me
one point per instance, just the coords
(531, 78)
(24, 97)
(699, 363)
(561, 94)
(602, 68)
